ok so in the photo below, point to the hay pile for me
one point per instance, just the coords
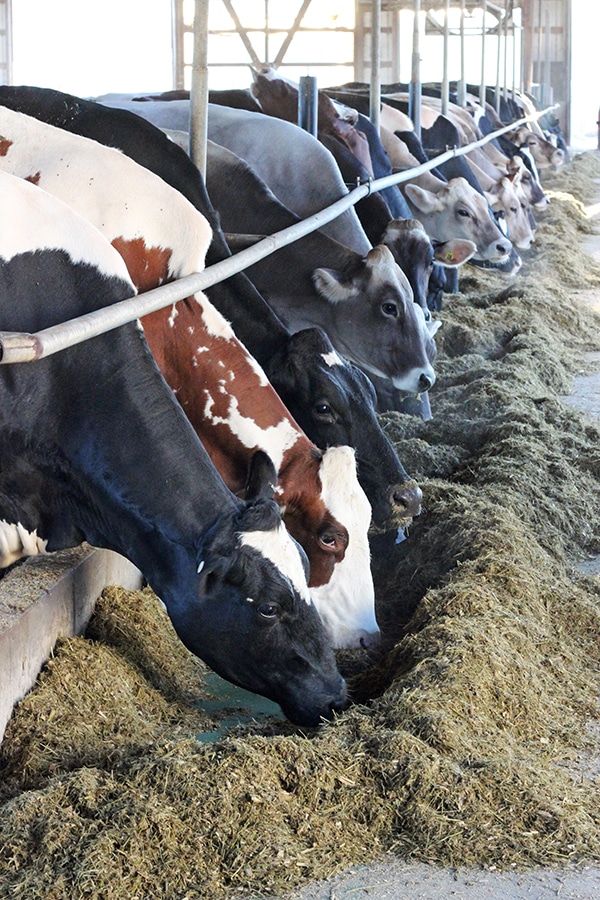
(468, 742)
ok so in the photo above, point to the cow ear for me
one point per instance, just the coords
(331, 286)
(453, 253)
(425, 201)
(262, 477)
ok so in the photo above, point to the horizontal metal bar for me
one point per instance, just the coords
(18, 347)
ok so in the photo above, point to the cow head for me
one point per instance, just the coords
(253, 603)
(346, 603)
(334, 402)
(457, 210)
(417, 255)
(545, 154)
(509, 198)
(375, 322)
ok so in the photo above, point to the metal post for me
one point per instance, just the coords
(482, 84)
(414, 106)
(308, 104)
(514, 58)
(266, 60)
(462, 84)
(547, 69)
(445, 84)
(497, 93)
(199, 88)
(540, 53)
(505, 85)
(375, 95)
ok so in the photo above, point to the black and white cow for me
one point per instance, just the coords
(94, 447)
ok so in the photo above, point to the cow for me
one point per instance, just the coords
(342, 390)
(364, 304)
(226, 396)
(94, 447)
(545, 154)
(457, 211)
(305, 177)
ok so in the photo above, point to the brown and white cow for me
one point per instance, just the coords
(161, 236)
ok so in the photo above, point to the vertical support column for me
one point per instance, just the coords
(498, 54)
(462, 84)
(308, 104)
(505, 29)
(395, 41)
(547, 95)
(445, 83)
(199, 89)
(375, 94)
(414, 106)
(482, 82)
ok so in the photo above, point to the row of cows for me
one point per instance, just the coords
(266, 387)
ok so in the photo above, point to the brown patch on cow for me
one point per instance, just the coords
(5, 145)
(148, 267)
(34, 179)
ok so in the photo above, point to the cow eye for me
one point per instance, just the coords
(463, 212)
(323, 410)
(513, 209)
(389, 308)
(269, 611)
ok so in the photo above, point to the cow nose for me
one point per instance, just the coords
(340, 703)
(370, 640)
(407, 499)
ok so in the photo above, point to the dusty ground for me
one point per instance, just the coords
(395, 879)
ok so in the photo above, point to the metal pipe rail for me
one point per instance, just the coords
(18, 347)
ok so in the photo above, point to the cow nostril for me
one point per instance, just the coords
(370, 640)
(425, 382)
(407, 499)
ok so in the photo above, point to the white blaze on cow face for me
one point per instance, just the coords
(331, 359)
(16, 543)
(346, 603)
(280, 549)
